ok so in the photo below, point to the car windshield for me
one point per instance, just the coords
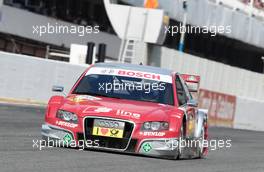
(126, 88)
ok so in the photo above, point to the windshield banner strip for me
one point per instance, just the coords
(130, 73)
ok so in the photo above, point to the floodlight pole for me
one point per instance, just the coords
(263, 63)
(181, 44)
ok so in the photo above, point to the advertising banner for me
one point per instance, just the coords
(221, 107)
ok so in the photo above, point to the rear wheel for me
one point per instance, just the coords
(201, 144)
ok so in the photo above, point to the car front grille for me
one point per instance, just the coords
(109, 142)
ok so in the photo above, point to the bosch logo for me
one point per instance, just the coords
(139, 74)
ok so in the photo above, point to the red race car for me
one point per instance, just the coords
(129, 108)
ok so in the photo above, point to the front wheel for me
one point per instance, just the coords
(181, 139)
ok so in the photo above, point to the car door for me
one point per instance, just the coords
(184, 96)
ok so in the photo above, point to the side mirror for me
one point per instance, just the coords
(192, 103)
(56, 88)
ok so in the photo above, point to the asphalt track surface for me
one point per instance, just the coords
(20, 125)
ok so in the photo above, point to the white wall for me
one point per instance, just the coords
(214, 76)
(28, 78)
(249, 114)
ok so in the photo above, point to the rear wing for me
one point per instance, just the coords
(192, 81)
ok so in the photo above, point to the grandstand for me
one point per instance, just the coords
(259, 4)
(16, 32)
(243, 48)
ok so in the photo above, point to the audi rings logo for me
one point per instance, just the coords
(108, 124)
(107, 71)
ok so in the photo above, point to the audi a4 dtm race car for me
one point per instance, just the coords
(129, 108)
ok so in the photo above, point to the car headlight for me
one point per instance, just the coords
(155, 126)
(67, 116)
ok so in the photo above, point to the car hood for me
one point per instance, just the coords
(136, 111)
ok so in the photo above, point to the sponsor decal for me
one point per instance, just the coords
(66, 124)
(108, 132)
(154, 133)
(82, 98)
(139, 74)
(191, 78)
(67, 138)
(130, 73)
(108, 128)
(128, 114)
(103, 109)
(146, 147)
(97, 109)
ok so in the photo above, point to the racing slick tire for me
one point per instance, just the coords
(181, 138)
(201, 145)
